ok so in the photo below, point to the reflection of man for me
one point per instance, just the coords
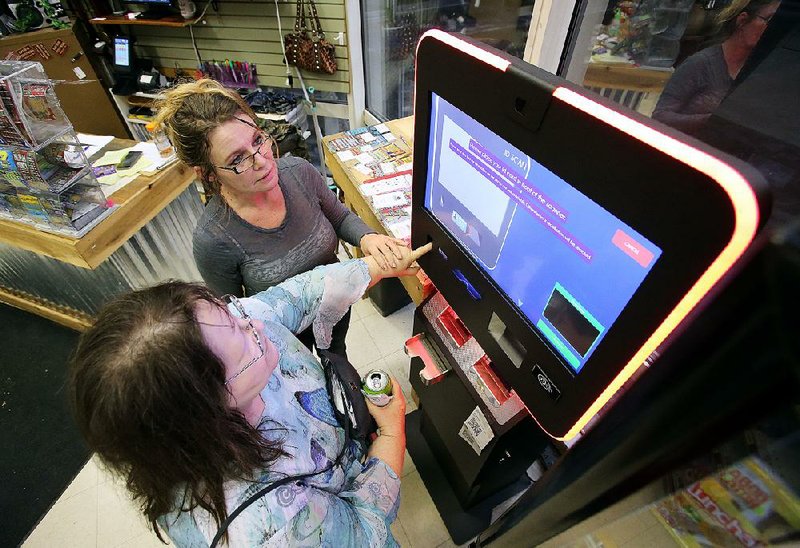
(703, 80)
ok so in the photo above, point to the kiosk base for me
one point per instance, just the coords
(388, 296)
(462, 525)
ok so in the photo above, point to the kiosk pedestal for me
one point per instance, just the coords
(480, 445)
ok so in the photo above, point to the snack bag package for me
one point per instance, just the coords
(745, 504)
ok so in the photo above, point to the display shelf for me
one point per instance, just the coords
(136, 203)
(148, 95)
(63, 178)
(296, 116)
(91, 218)
(45, 178)
(30, 114)
(168, 21)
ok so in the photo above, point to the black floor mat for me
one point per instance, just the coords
(42, 450)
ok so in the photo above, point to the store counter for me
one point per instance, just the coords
(146, 239)
(608, 75)
(350, 180)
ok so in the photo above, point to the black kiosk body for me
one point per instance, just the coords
(571, 241)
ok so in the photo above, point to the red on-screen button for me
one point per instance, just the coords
(632, 248)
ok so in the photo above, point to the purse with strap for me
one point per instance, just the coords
(307, 48)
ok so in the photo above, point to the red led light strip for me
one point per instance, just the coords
(471, 50)
(746, 212)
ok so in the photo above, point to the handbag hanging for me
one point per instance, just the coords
(307, 48)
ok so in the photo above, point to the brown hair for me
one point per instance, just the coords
(189, 112)
(726, 19)
(150, 398)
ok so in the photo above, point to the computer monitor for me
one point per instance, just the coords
(571, 237)
(123, 55)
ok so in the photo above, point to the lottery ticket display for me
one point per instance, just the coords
(45, 177)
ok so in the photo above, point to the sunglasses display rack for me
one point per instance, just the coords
(45, 178)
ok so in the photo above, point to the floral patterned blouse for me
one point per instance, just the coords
(353, 503)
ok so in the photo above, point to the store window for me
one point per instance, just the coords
(393, 27)
(724, 71)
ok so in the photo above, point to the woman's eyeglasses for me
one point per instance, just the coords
(237, 305)
(246, 163)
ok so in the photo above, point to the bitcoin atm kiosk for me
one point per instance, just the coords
(571, 239)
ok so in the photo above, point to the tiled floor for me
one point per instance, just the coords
(95, 509)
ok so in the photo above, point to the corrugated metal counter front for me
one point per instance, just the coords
(145, 240)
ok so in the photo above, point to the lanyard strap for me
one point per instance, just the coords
(272, 486)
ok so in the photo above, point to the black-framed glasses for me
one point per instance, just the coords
(765, 19)
(246, 163)
(237, 305)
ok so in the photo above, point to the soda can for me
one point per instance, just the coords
(377, 387)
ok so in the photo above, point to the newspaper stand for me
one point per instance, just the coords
(45, 178)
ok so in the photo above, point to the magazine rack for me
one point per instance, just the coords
(45, 178)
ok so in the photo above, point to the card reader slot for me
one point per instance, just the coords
(436, 366)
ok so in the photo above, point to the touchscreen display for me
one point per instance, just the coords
(122, 56)
(568, 264)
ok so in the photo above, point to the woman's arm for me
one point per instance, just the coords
(405, 265)
(685, 83)
(218, 262)
(323, 295)
(348, 226)
(386, 250)
(352, 229)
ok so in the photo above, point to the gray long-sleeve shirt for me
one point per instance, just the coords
(694, 91)
(232, 254)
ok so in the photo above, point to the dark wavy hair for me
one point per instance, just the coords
(150, 398)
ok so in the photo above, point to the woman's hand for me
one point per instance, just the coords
(386, 250)
(406, 265)
(390, 445)
(391, 418)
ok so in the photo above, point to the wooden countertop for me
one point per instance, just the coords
(626, 76)
(138, 202)
(349, 179)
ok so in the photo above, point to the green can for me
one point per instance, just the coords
(377, 387)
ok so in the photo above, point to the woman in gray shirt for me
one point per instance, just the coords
(266, 219)
(704, 79)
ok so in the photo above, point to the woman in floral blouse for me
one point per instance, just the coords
(198, 405)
